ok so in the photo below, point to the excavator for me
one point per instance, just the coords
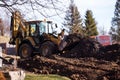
(34, 37)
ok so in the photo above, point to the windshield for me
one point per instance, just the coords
(45, 27)
(42, 27)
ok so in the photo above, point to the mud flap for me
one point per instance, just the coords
(62, 45)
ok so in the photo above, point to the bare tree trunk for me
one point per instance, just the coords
(1, 28)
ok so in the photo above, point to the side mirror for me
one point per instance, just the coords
(54, 32)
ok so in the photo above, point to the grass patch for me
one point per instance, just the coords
(45, 77)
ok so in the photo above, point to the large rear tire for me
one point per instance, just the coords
(47, 49)
(25, 50)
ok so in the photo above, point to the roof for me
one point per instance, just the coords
(37, 21)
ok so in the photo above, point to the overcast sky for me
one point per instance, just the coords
(103, 10)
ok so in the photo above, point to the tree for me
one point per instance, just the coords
(73, 19)
(1, 28)
(6, 24)
(90, 24)
(115, 29)
(102, 30)
(34, 7)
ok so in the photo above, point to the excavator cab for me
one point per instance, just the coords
(40, 30)
(37, 28)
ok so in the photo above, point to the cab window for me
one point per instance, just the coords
(33, 29)
(42, 26)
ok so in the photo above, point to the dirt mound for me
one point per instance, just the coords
(82, 47)
(112, 75)
(109, 53)
(87, 47)
(75, 69)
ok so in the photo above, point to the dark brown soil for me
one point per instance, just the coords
(76, 69)
(88, 60)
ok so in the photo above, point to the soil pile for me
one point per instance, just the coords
(85, 47)
(88, 47)
(76, 69)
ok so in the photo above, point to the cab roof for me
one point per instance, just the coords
(38, 21)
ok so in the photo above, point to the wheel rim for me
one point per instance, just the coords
(25, 52)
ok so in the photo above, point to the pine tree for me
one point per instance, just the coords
(115, 29)
(116, 18)
(73, 19)
(90, 24)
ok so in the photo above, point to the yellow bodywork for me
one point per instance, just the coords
(31, 40)
(17, 23)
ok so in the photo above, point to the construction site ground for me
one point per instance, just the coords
(83, 62)
(84, 68)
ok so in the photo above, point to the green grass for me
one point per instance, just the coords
(45, 77)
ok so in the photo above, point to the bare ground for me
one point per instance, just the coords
(87, 68)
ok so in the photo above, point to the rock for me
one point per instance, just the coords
(14, 75)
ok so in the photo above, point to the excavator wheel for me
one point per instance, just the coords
(25, 50)
(47, 49)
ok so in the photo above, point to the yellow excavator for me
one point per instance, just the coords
(39, 37)
(33, 37)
